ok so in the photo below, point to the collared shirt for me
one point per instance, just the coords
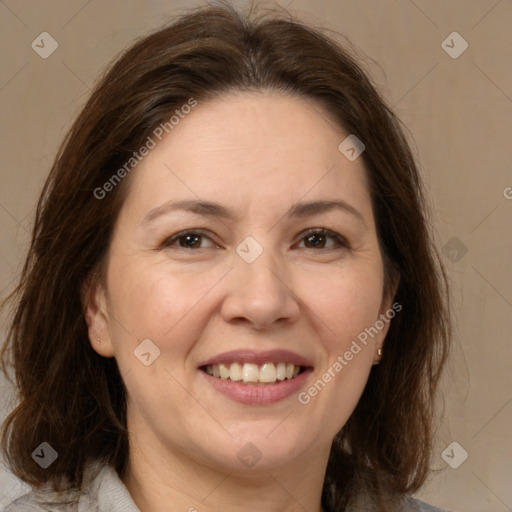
(103, 491)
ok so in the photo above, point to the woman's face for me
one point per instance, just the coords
(248, 291)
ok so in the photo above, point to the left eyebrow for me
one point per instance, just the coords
(300, 210)
(211, 209)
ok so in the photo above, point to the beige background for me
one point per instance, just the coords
(458, 114)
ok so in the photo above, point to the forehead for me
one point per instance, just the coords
(248, 148)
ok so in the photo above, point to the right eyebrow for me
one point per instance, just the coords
(205, 208)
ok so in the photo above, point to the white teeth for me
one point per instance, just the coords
(224, 371)
(250, 373)
(235, 372)
(268, 372)
(281, 371)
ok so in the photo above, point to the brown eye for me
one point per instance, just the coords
(315, 240)
(188, 240)
(319, 239)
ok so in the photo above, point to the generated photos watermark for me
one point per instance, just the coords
(304, 397)
(157, 135)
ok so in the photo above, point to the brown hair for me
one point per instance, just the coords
(74, 399)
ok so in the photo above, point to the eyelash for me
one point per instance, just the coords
(341, 241)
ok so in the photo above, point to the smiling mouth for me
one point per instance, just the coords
(254, 374)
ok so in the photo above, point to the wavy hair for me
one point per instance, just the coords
(74, 399)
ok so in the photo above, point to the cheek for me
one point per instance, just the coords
(343, 307)
(168, 308)
(345, 302)
(156, 302)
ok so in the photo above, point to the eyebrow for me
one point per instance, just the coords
(211, 209)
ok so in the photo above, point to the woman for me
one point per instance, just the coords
(231, 296)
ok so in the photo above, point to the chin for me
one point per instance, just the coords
(258, 449)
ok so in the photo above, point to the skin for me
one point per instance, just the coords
(256, 154)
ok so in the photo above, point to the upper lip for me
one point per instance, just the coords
(255, 357)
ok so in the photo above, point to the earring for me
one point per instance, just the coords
(98, 341)
(379, 353)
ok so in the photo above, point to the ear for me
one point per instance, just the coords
(94, 305)
(387, 298)
(387, 312)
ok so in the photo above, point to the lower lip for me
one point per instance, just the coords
(250, 394)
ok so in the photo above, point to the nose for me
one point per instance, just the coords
(260, 294)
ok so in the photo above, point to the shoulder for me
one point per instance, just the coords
(102, 489)
(365, 502)
(44, 501)
(415, 505)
